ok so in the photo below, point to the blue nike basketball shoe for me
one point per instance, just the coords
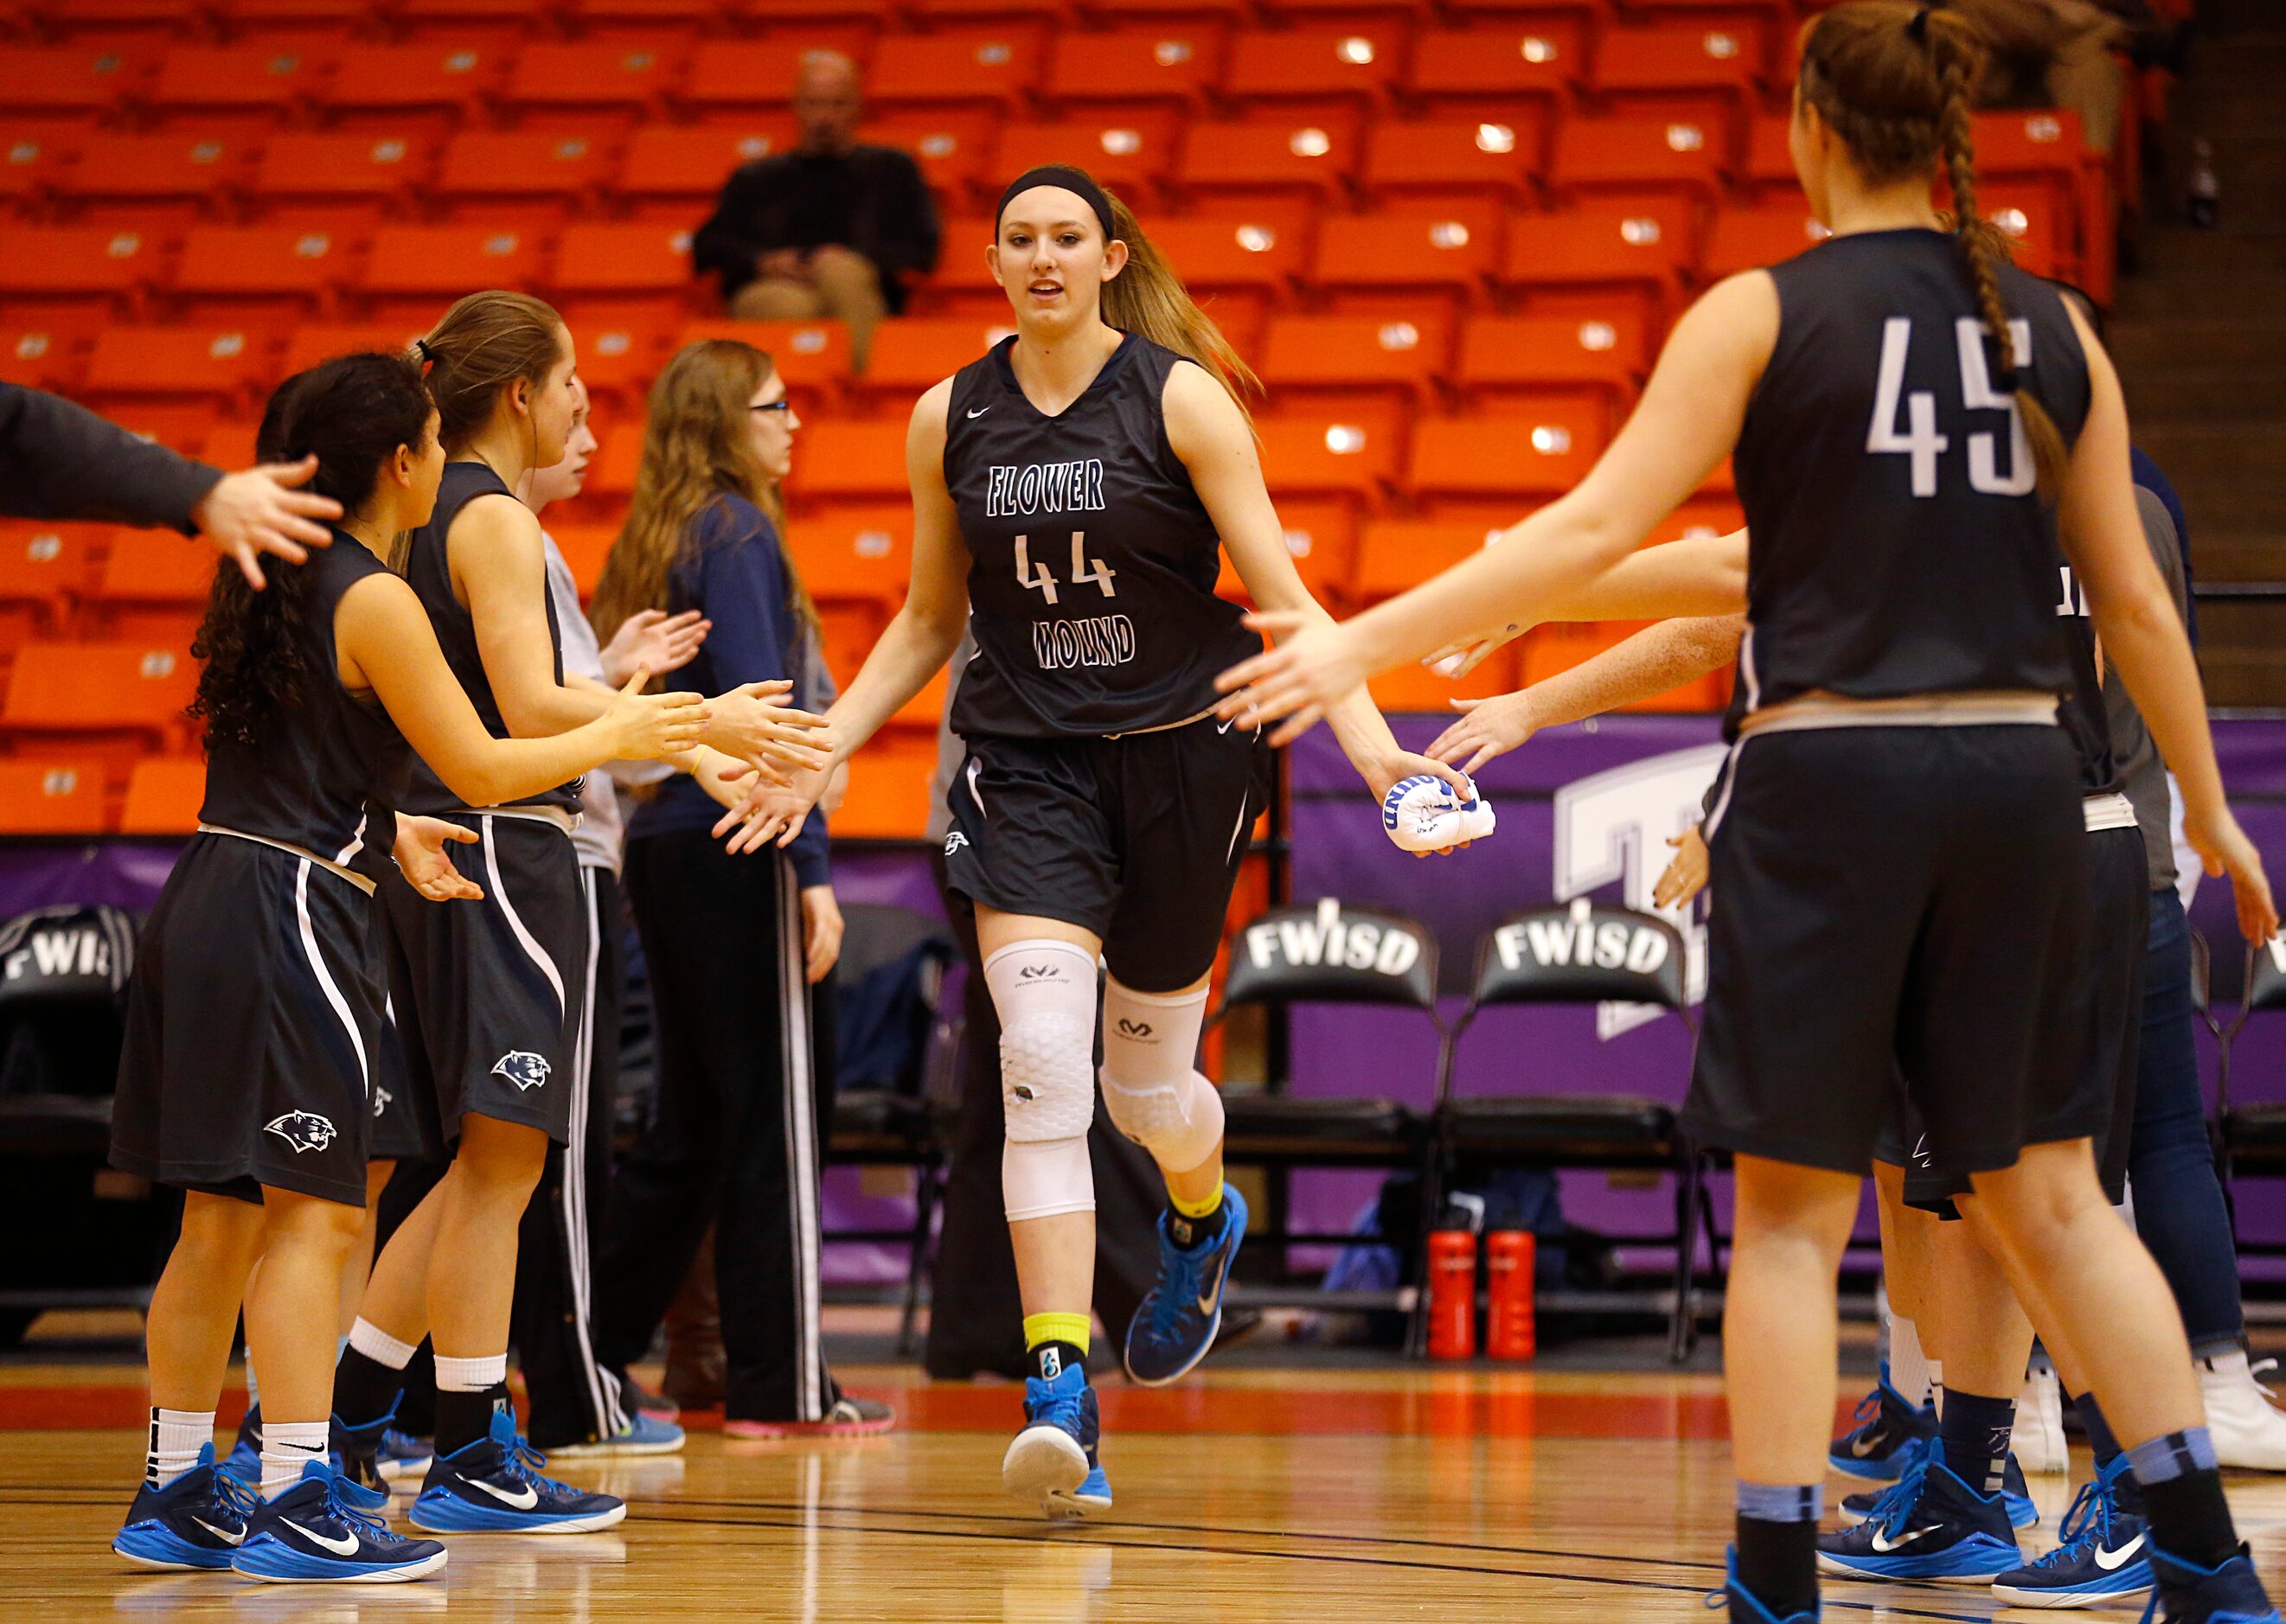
(1929, 1525)
(2016, 1494)
(1889, 1426)
(2189, 1593)
(2104, 1558)
(1176, 1323)
(325, 1530)
(494, 1486)
(1054, 1461)
(1738, 1597)
(197, 1521)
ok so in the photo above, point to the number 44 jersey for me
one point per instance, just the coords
(1092, 562)
(1898, 545)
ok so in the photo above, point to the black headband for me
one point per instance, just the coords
(1071, 181)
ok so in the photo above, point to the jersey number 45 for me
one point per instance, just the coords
(1042, 579)
(1920, 440)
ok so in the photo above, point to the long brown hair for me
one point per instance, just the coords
(697, 446)
(487, 343)
(1893, 80)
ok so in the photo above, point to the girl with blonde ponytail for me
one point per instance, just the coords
(1073, 491)
(1917, 428)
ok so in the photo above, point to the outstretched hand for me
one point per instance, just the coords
(655, 641)
(260, 510)
(1487, 728)
(776, 808)
(427, 867)
(1312, 669)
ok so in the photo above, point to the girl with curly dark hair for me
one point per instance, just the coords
(255, 1006)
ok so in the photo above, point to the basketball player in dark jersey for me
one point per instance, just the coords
(1894, 840)
(255, 1006)
(1072, 491)
(487, 1012)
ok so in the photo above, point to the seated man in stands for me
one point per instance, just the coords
(831, 229)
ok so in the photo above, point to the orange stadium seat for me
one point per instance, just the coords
(152, 589)
(437, 81)
(164, 795)
(534, 173)
(307, 345)
(1315, 64)
(585, 548)
(134, 173)
(1542, 453)
(1328, 454)
(98, 693)
(1656, 152)
(649, 13)
(428, 19)
(855, 554)
(28, 162)
(258, 78)
(611, 474)
(862, 17)
(2046, 141)
(85, 79)
(615, 258)
(889, 789)
(1231, 253)
(813, 357)
(336, 16)
(51, 797)
(1132, 152)
(1321, 540)
(925, 711)
(850, 461)
(1501, 357)
(293, 268)
(620, 350)
(333, 177)
(1355, 353)
(997, 66)
(1414, 686)
(593, 75)
(1602, 246)
(443, 261)
(1680, 56)
(676, 172)
(1087, 72)
(962, 283)
(1168, 13)
(1485, 70)
(1743, 238)
(231, 445)
(1492, 158)
(218, 364)
(112, 19)
(1268, 156)
(743, 75)
(951, 145)
(1448, 251)
(2039, 238)
(848, 632)
(42, 354)
(1396, 555)
(1770, 161)
(45, 569)
(910, 356)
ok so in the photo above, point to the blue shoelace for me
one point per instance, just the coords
(1181, 1289)
(368, 1525)
(522, 1463)
(2087, 1523)
(233, 1497)
(1895, 1505)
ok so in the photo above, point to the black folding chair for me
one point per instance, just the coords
(1580, 954)
(2254, 1134)
(1327, 952)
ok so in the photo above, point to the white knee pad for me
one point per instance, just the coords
(1155, 1094)
(1045, 993)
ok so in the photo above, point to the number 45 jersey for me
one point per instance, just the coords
(1898, 546)
(1091, 579)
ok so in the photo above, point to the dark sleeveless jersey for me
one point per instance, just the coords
(308, 780)
(1091, 580)
(1897, 545)
(429, 572)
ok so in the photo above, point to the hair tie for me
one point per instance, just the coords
(1071, 181)
(1917, 28)
(2006, 382)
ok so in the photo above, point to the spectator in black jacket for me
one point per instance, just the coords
(58, 461)
(831, 229)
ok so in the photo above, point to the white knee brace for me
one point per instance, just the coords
(1152, 1091)
(1044, 992)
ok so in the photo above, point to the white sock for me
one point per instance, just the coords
(1936, 1385)
(287, 1447)
(176, 1438)
(1909, 1367)
(471, 1375)
(379, 1346)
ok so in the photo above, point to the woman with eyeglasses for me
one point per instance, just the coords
(733, 943)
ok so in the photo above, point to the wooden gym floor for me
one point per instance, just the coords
(1304, 1496)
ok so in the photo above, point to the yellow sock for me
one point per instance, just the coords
(1073, 1328)
(1194, 1210)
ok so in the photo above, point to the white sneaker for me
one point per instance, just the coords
(2039, 1436)
(2242, 1415)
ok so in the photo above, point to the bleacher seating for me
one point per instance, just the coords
(1449, 235)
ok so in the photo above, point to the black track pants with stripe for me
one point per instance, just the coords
(575, 1399)
(733, 1141)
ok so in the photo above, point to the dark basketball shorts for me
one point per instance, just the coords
(1137, 838)
(487, 994)
(253, 1022)
(1886, 905)
(405, 1125)
(2095, 1027)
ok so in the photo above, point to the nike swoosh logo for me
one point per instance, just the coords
(980, 412)
(346, 1546)
(1863, 1446)
(524, 1499)
(1883, 1544)
(1207, 1300)
(224, 1535)
(1226, 725)
(2112, 1561)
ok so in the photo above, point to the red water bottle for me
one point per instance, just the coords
(1452, 1294)
(1509, 1330)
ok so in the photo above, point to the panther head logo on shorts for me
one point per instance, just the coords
(954, 841)
(523, 1068)
(302, 1130)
